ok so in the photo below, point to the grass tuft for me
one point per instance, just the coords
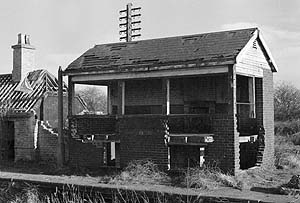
(141, 172)
(209, 178)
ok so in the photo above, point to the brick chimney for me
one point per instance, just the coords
(23, 58)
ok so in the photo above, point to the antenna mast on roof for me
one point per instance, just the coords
(129, 22)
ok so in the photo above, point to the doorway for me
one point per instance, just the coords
(8, 144)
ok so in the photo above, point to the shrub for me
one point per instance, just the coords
(286, 102)
(287, 127)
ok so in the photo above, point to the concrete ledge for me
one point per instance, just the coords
(49, 183)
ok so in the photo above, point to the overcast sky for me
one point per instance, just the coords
(62, 30)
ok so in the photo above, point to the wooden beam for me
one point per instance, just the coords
(232, 90)
(109, 99)
(251, 87)
(166, 96)
(61, 145)
(81, 77)
(121, 97)
(71, 94)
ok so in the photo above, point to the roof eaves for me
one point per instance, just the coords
(147, 67)
(267, 51)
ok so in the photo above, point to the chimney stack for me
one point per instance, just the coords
(23, 58)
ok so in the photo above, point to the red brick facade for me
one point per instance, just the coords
(143, 137)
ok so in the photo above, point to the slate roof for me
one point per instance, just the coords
(41, 82)
(204, 49)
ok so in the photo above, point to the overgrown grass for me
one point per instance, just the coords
(67, 195)
(73, 195)
(210, 178)
(141, 172)
(287, 154)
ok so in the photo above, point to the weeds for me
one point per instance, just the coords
(141, 172)
(210, 178)
(286, 153)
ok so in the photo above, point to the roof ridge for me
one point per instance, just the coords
(172, 37)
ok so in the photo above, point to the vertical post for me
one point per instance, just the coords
(251, 86)
(71, 93)
(166, 96)
(121, 97)
(232, 90)
(129, 28)
(232, 141)
(109, 106)
(61, 146)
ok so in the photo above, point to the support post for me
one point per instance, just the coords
(61, 145)
(233, 142)
(166, 96)
(109, 106)
(121, 97)
(251, 84)
(71, 93)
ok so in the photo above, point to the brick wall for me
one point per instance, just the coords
(47, 143)
(50, 108)
(24, 140)
(142, 138)
(206, 91)
(223, 152)
(268, 118)
(86, 155)
(94, 124)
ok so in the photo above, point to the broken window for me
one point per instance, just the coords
(94, 97)
(245, 96)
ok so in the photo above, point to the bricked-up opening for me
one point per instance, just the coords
(199, 95)
(183, 156)
(143, 96)
(95, 97)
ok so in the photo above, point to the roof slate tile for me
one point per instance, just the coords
(214, 47)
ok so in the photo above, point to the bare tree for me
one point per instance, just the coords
(286, 102)
(95, 98)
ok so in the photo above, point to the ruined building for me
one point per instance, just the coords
(28, 104)
(179, 101)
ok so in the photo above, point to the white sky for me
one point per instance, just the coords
(62, 30)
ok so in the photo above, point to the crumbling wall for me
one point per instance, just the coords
(47, 142)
